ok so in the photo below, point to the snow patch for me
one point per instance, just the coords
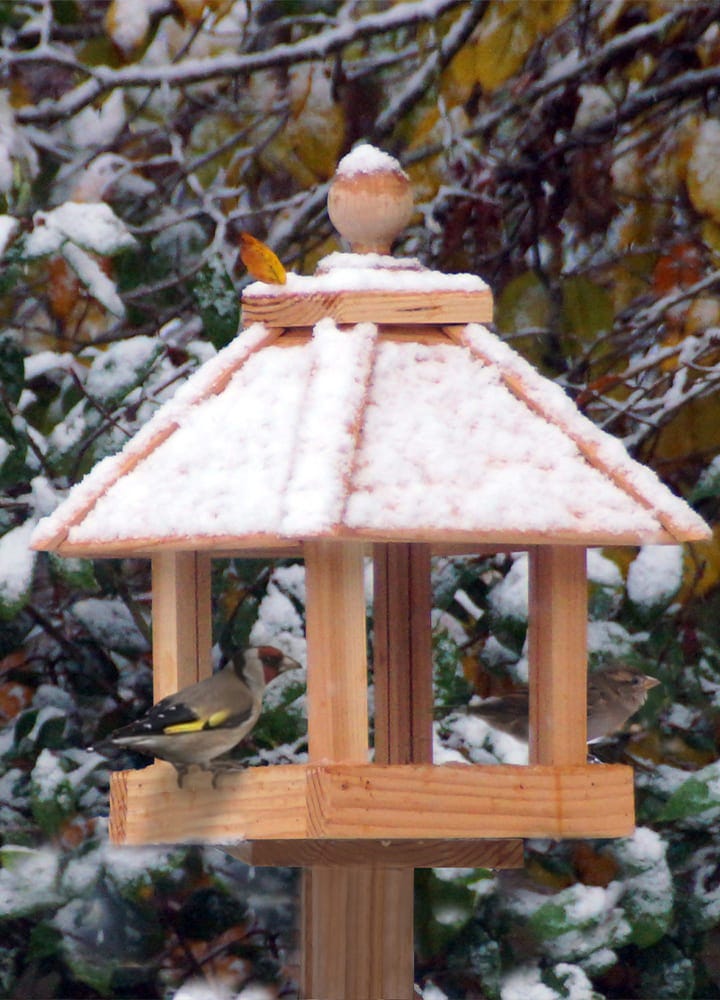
(367, 159)
(655, 575)
(17, 561)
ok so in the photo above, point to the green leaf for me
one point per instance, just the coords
(13, 451)
(217, 302)
(588, 308)
(523, 305)
(12, 368)
(24, 724)
(78, 573)
(45, 942)
(208, 913)
(696, 795)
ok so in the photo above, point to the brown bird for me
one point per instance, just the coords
(205, 720)
(615, 693)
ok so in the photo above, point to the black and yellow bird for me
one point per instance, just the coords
(205, 720)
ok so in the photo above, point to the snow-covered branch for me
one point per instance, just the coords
(228, 64)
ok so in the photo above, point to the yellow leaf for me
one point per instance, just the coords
(507, 33)
(524, 304)
(128, 25)
(703, 179)
(260, 261)
(702, 568)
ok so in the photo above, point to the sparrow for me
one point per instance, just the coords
(205, 720)
(615, 693)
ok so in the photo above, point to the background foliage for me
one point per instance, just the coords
(564, 149)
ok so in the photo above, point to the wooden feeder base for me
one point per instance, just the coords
(412, 815)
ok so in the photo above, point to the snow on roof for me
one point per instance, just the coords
(353, 433)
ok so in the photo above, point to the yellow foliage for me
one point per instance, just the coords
(127, 24)
(702, 568)
(693, 430)
(703, 178)
(507, 33)
(260, 261)
(309, 146)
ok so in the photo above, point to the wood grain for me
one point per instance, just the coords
(181, 621)
(402, 654)
(381, 853)
(557, 641)
(291, 309)
(374, 801)
(336, 652)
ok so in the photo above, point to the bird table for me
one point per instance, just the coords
(365, 412)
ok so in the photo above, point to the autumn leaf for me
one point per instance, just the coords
(260, 261)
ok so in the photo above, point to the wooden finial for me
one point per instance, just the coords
(370, 200)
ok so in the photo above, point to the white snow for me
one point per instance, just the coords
(129, 24)
(602, 570)
(110, 622)
(655, 575)
(443, 445)
(433, 992)
(367, 159)
(509, 598)
(369, 278)
(115, 369)
(325, 440)
(524, 983)
(95, 127)
(100, 286)
(8, 228)
(607, 450)
(17, 561)
(90, 226)
(48, 778)
(595, 105)
(28, 879)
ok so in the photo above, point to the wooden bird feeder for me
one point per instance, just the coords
(365, 412)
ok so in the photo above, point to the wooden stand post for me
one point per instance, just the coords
(358, 922)
(339, 918)
(558, 655)
(181, 620)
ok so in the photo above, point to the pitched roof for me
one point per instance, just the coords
(354, 433)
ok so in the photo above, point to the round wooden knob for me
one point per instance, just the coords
(370, 201)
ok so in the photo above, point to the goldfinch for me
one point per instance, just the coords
(205, 720)
(615, 693)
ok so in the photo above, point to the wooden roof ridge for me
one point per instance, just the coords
(533, 389)
(208, 380)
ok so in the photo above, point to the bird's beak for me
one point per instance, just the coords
(650, 682)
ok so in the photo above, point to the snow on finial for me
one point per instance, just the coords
(370, 200)
(367, 159)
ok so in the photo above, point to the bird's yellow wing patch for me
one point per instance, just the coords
(196, 725)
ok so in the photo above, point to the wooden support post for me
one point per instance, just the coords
(403, 654)
(336, 651)
(402, 660)
(340, 912)
(181, 620)
(558, 655)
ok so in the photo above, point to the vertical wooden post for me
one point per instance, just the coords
(336, 651)
(181, 620)
(558, 655)
(403, 654)
(341, 916)
(402, 660)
